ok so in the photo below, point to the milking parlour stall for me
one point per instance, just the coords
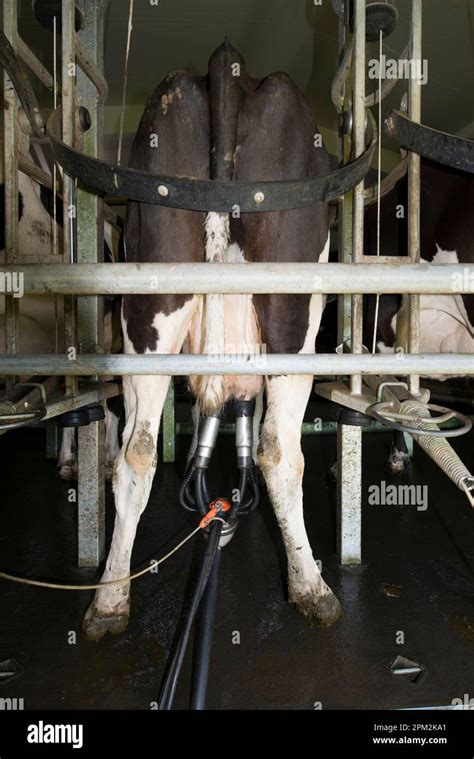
(236, 375)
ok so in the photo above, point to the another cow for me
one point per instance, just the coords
(39, 315)
(446, 207)
(446, 321)
(230, 126)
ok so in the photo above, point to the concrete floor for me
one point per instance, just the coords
(281, 660)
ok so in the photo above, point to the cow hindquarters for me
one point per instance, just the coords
(135, 468)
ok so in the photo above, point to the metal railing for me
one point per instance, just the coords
(255, 278)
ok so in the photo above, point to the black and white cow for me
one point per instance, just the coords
(38, 314)
(446, 236)
(233, 127)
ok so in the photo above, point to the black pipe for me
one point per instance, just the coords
(202, 495)
(249, 503)
(185, 498)
(170, 681)
(399, 441)
(203, 639)
(243, 480)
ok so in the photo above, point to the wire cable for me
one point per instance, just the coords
(108, 583)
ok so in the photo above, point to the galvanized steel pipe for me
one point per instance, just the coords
(146, 279)
(321, 364)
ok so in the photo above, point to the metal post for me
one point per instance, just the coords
(349, 439)
(358, 108)
(91, 495)
(345, 207)
(414, 113)
(168, 425)
(68, 106)
(90, 312)
(259, 278)
(349, 458)
(10, 168)
(183, 364)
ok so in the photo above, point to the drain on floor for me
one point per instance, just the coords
(410, 670)
(9, 668)
(390, 590)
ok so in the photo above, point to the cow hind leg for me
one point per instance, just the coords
(112, 448)
(134, 470)
(67, 459)
(282, 464)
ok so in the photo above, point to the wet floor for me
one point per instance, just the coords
(413, 596)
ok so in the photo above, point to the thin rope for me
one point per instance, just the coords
(97, 586)
(125, 80)
(379, 179)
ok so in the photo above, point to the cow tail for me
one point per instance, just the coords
(224, 99)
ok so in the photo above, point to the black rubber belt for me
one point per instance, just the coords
(438, 146)
(211, 195)
(184, 192)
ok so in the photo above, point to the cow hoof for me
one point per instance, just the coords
(95, 625)
(323, 610)
(67, 472)
(398, 462)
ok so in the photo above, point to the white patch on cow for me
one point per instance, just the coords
(451, 257)
(210, 389)
(230, 326)
(316, 308)
(135, 466)
(242, 337)
(37, 324)
(234, 254)
(111, 239)
(382, 348)
(35, 228)
(444, 324)
(217, 237)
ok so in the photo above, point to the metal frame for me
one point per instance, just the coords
(359, 276)
(213, 195)
(322, 364)
(262, 278)
(85, 49)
